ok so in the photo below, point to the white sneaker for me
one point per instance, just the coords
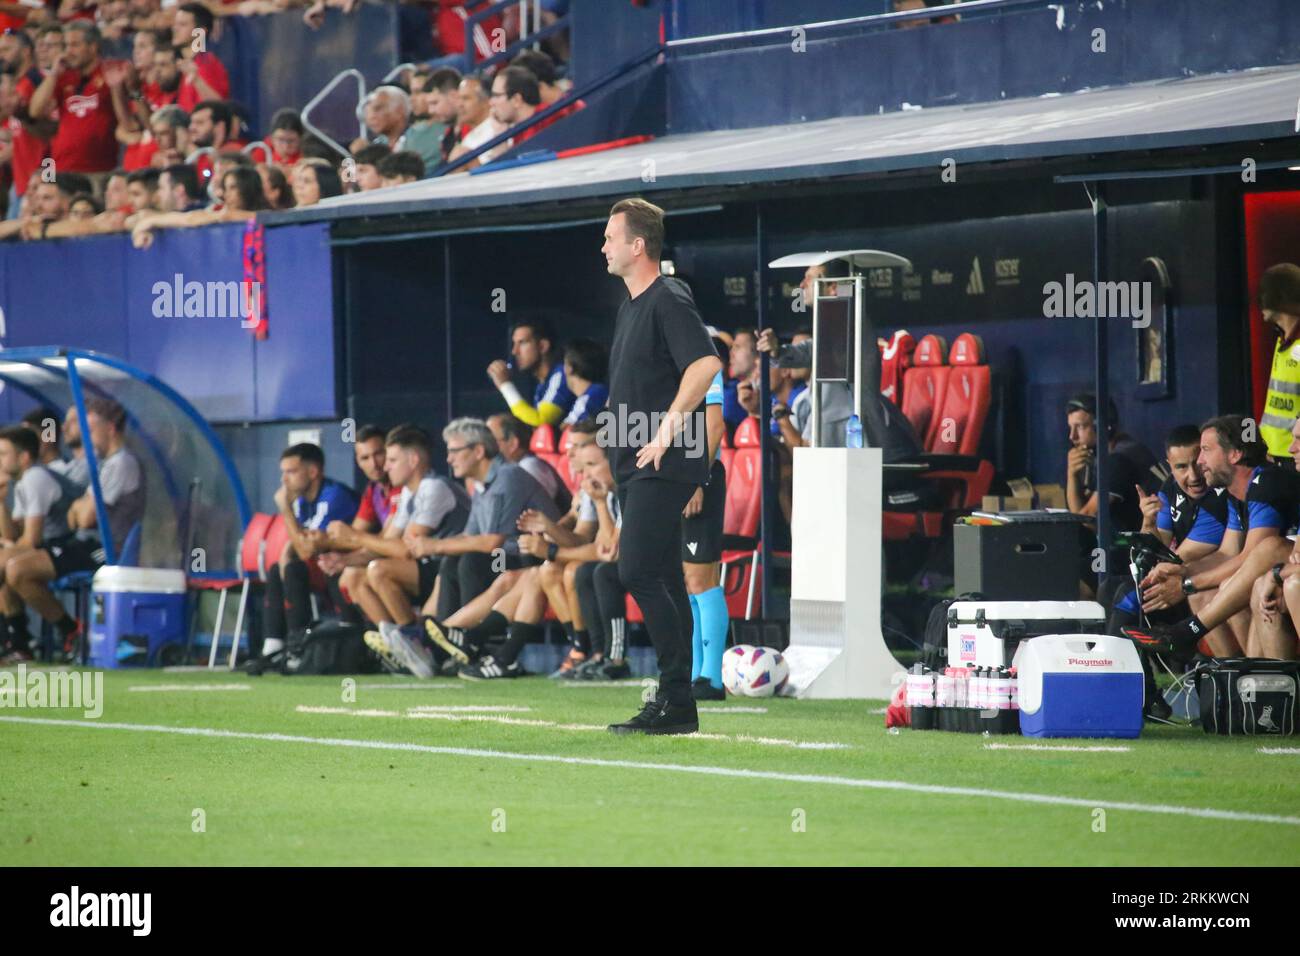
(417, 658)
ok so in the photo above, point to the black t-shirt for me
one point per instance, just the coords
(656, 336)
(1185, 519)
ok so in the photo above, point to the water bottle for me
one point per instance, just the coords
(853, 432)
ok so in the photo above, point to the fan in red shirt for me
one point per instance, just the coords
(515, 98)
(203, 76)
(449, 18)
(84, 141)
(17, 57)
(285, 138)
(160, 83)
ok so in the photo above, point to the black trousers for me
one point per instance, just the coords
(604, 607)
(464, 577)
(287, 602)
(650, 567)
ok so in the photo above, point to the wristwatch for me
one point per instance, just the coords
(552, 550)
(1188, 586)
(1277, 574)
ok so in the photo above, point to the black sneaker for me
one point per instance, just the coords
(661, 717)
(452, 641)
(490, 669)
(702, 689)
(1158, 709)
(615, 670)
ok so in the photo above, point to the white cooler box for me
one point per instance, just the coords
(984, 633)
(1079, 685)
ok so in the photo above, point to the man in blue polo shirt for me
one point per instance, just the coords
(308, 502)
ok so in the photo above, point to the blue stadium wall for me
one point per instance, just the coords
(99, 293)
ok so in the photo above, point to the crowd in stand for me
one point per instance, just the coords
(91, 144)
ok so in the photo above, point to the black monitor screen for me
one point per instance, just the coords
(834, 338)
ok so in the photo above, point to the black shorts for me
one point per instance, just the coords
(427, 569)
(72, 554)
(702, 533)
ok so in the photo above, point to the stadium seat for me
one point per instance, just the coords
(924, 386)
(543, 446)
(251, 548)
(966, 401)
(895, 360)
(273, 544)
(743, 514)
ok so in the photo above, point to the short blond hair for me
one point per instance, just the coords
(645, 221)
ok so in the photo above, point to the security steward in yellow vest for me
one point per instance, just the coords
(1279, 300)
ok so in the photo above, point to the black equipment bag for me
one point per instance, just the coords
(1252, 696)
(329, 647)
(934, 647)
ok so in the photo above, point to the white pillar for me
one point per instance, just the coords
(837, 649)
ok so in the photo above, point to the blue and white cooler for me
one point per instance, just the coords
(1079, 685)
(137, 617)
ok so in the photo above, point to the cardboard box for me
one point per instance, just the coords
(1021, 498)
(1050, 496)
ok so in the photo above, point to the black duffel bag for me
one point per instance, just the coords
(329, 647)
(1246, 695)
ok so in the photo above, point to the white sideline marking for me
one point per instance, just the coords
(1279, 750)
(187, 687)
(600, 683)
(858, 783)
(732, 710)
(1093, 749)
(442, 714)
(470, 708)
(187, 669)
(304, 709)
(408, 686)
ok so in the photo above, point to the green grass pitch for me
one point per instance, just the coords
(482, 792)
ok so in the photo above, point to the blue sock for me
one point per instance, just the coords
(697, 649)
(714, 622)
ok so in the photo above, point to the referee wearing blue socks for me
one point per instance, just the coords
(702, 523)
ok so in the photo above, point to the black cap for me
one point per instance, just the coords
(1087, 402)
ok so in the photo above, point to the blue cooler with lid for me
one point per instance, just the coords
(137, 617)
(1079, 685)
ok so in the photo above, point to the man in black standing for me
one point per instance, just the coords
(661, 366)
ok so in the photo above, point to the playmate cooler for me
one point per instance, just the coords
(138, 617)
(1079, 685)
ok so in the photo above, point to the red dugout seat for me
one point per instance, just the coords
(895, 360)
(925, 385)
(966, 401)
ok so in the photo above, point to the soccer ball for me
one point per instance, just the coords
(749, 671)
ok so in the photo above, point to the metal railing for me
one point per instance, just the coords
(326, 90)
(782, 34)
